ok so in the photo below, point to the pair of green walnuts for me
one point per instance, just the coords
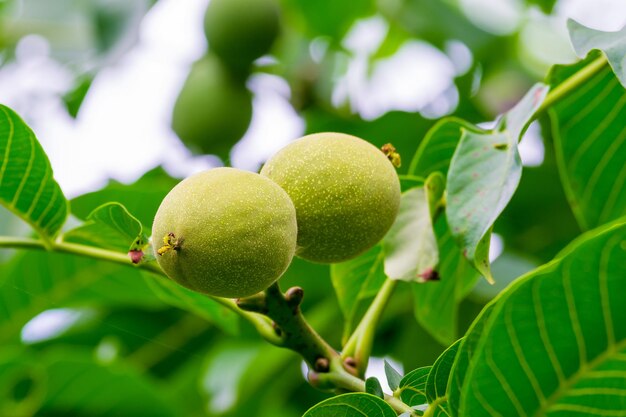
(326, 197)
(214, 108)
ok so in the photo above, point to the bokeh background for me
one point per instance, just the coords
(97, 81)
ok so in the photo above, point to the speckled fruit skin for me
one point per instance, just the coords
(345, 190)
(240, 31)
(213, 110)
(236, 232)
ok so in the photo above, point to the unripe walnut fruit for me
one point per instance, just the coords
(345, 190)
(240, 31)
(225, 232)
(213, 109)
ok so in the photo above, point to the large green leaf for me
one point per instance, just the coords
(590, 141)
(412, 387)
(352, 405)
(437, 382)
(484, 173)
(26, 184)
(613, 44)
(36, 281)
(555, 341)
(356, 282)
(110, 226)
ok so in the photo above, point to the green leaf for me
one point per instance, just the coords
(437, 148)
(356, 282)
(393, 376)
(613, 44)
(590, 142)
(74, 98)
(464, 356)
(22, 383)
(372, 386)
(545, 5)
(110, 226)
(410, 246)
(555, 341)
(116, 23)
(27, 187)
(484, 173)
(142, 198)
(36, 281)
(437, 302)
(79, 386)
(330, 18)
(352, 405)
(194, 302)
(437, 382)
(412, 387)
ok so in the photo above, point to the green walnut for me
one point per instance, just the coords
(345, 190)
(240, 31)
(213, 109)
(225, 232)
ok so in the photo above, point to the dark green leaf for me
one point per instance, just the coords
(613, 44)
(27, 187)
(436, 303)
(142, 198)
(464, 356)
(331, 18)
(540, 353)
(74, 99)
(78, 386)
(372, 386)
(194, 302)
(22, 383)
(356, 281)
(116, 23)
(484, 173)
(437, 148)
(413, 386)
(590, 141)
(352, 405)
(393, 376)
(545, 5)
(36, 281)
(437, 382)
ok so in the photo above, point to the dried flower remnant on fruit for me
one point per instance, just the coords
(169, 242)
(390, 152)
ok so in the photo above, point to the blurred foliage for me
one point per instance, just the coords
(143, 346)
